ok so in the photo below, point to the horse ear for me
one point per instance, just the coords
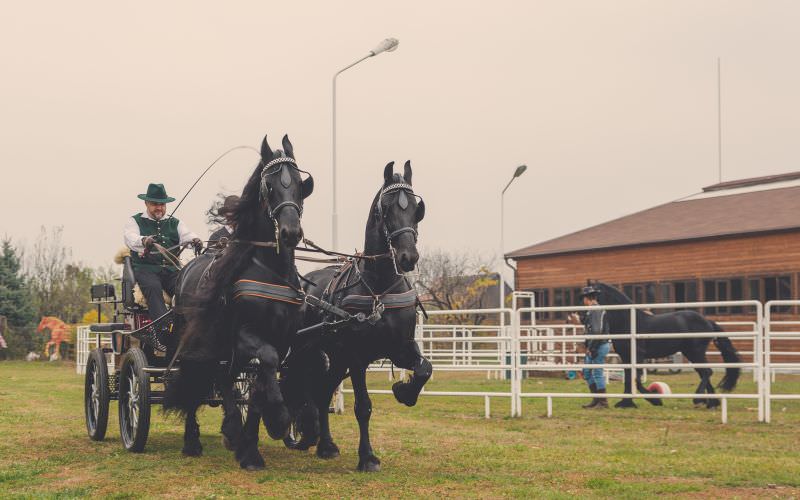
(388, 172)
(287, 146)
(420, 213)
(407, 171)
(266, 151)
(308, 187)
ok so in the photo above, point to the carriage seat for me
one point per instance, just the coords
(132, 295)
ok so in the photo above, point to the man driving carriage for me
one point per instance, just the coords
(154, 271)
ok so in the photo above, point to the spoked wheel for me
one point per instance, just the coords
(242, 389)
(95, 395)
(134, 400)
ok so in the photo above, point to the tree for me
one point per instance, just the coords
(60, 287)
(16, 303)
(457, 280)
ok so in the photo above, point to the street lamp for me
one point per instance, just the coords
(388, 45)
(519, 171)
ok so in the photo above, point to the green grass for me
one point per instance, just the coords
(441, 448)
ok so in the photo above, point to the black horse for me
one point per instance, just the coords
(673, 322)
(376, 288)
(244, 304)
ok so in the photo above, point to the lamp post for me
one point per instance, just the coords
(519, 171)
(388, 45)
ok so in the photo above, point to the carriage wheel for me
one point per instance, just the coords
(244, 382)
(95, 395)
(134, 400)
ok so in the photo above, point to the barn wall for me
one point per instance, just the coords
(717, 258)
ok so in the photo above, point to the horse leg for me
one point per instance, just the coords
(626, 402)
(232, 417)
(710, 402)
(367, 461)
(643, 390)
(408, 392)
(191, 435)
(247, 449)
(326, 448)
(705, 379)
(267, 395)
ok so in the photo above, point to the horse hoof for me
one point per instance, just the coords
(327, 450)
(227, 443)
(290, 442)
(369, 464)
(192, 449)
(277, 422)
(251, 459)
(656, 402)
(712, 403)
(403, 393)
(625, 403)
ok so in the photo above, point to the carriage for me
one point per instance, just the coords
(142, 365)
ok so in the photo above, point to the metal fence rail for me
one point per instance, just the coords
(506, 347)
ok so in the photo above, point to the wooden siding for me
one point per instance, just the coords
(718, 258)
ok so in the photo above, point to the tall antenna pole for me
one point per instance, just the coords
(719, 117)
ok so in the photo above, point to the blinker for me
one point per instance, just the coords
(286, 178)
(402, 200)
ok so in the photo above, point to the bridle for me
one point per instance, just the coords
(283, 164)
(404, 190)
(280, 165)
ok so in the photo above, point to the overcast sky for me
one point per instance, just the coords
(612, 105)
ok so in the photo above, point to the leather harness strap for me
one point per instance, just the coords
(269, 291)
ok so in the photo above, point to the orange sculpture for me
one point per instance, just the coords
(59, 332)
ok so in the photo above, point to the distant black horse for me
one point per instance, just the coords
(245, 305)
(673, 322)
(374, 287)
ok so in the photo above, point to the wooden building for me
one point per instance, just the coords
(734, 240)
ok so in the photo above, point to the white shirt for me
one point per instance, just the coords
(133, 237)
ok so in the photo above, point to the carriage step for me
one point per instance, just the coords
(106, 327)
(159, 371)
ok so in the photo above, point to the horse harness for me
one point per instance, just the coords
(370, 307)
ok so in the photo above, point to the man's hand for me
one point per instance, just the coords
(593, 353)
(149, 243)
(198, 244)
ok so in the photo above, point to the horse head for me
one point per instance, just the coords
(44, 323)
(271, 204)
(397, 211)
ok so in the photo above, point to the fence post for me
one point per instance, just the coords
(758, 354)
(634, 371)
(766, 370)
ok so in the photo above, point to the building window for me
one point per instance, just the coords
(641, 293)
(685, 291)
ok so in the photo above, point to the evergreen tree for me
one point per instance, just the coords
(16, 303)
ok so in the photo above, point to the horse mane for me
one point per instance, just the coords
(206, 306)
(396, 178)
(614, 292)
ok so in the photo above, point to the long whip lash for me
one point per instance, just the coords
(223, 155)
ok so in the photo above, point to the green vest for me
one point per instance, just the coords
(165, 232)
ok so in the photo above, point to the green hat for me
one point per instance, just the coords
(157, 194)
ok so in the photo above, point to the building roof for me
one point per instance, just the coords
(762, 204)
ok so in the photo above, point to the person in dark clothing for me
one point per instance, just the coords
(152, 271)
(595, 323)
(219, 238)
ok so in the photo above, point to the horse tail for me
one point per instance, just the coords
(186, 390)
(729, 355)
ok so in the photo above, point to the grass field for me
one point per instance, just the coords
(441, 448)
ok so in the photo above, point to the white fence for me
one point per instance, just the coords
(87, 342)
(510, 347)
